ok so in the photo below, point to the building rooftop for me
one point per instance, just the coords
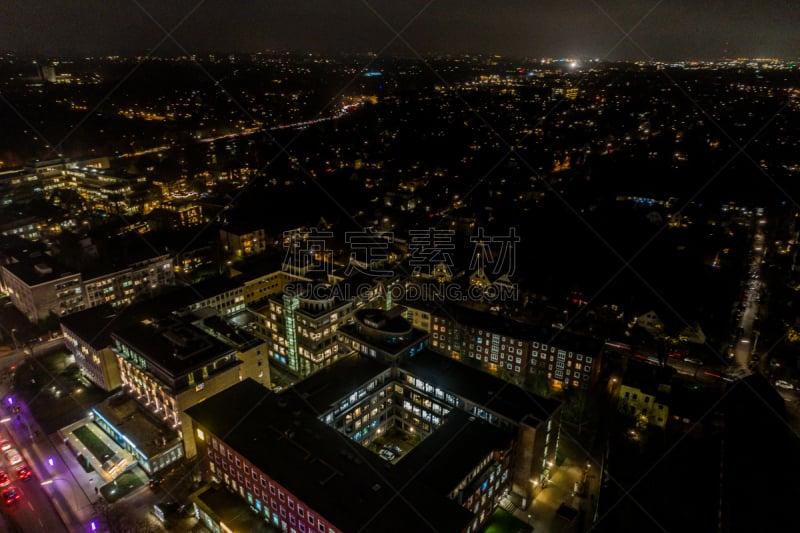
(149, 434)
(95, 325)
(35, 271)
(229, 509)
(647, 377)
(173, 345)
(283, 436)
(519, 330)
(210, 287)
(495, 394)
(324, 388)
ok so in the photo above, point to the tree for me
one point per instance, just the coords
(121, 517)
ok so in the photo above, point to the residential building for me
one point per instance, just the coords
(508, 348)
(644, 393)
(243, 239)
(40, 286)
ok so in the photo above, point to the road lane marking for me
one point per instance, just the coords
(31, 506)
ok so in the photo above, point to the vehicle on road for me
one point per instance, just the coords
(784, 384)
(694, 361)
(4, 479)
(10, 496)
(13, 457)
(24, 472)
(5, 445)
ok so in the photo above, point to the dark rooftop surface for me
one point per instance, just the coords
(210, 287)
(95, 325)
(523, 330)
(240, 338)
(388, 322)
(484, 389)
(242, 227)
(139, 425)
(231, 510)
(647, 377)
(173, 345)
(323, 388)
(343, 481)
(37, 271)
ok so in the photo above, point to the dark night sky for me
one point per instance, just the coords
(555, 28)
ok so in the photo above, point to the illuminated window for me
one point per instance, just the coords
(200, 434)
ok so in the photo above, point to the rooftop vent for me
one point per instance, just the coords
(43, 269)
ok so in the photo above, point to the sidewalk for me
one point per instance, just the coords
(542, 514)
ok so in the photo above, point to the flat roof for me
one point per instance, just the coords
(324, 388)
(172, 344)
(495, 394)
(149, 434)
(48, 270)
(231, 510)
(344, 482)
(95, 325)
(522, 330)
(216, 285)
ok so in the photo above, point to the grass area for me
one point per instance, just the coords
(504, 522)
(98, 448)
(121, 486)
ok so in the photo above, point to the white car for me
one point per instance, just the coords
(386, 454)
(784, 384)
(13, 457)
(5, 445)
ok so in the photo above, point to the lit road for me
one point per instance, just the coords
(34, 512)
(745, 343)
(15, 357)
(343, 111)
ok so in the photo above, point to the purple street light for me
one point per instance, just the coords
(10, 400)
(50, 461)
(93, 525)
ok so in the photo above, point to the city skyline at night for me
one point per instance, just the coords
(433, 266)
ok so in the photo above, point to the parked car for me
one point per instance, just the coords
(784, 384)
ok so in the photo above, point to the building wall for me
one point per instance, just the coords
(60, 296)
(274, 503)
(212, 385)
(245, 245)
(267, 285)
(100, 366)
(226, 304)
(634, 402)
(255, 364)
